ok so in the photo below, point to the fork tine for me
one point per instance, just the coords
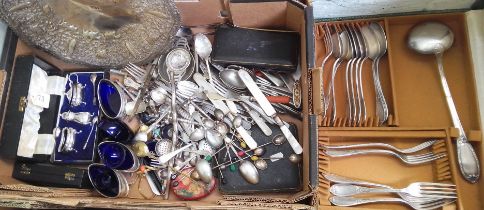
(437, 192)
(135, 70)
(422, 156)
(130, 69)
(438, 196)
(431, 205)
(135, 76)
(437, 188)
(136, 67)
(436, 184)
(427, 159)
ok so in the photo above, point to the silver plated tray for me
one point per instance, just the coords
(103, 33)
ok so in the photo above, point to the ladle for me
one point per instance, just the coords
(435, 38)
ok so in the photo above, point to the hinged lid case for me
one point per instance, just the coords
(17, 101)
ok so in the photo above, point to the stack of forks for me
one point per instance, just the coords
(418, 195)
(402, 154)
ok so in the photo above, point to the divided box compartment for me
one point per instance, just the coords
(382, 168)
(324, 74)
(417, 105)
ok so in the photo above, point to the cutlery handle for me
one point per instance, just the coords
(279, 99)
(165, 158)
(381, 105)
(291, 139)
(350, 190)
(346, 153)
(466, 156)
(258, 120)
(351, 201)
(345, 180)
(349, 146)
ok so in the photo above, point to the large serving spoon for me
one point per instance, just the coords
(435, 38)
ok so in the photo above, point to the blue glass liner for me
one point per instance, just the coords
(118, 156)
(104, 180)
(111, 99)
(114, 130)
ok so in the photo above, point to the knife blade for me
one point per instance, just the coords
(269, 109)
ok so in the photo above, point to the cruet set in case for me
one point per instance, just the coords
(75, 132)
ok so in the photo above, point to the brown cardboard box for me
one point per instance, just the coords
(289, 15)
(418, 112)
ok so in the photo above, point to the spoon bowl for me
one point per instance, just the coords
(371, 42)
(230, 78)
(430, 38)
(249, 172)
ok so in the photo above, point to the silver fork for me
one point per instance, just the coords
(387, 146)
(136, 72)
(348, 181)
(409, 159)
(416, 189)
(352, 201)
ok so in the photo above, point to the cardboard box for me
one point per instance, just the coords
(288, 15)
(418, 111)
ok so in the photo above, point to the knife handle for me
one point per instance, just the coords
(279, 99)
(291, 139)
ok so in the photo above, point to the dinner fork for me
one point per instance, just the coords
(352, 201)
(136, 72)
(387, 146)
(416, 189)
(348, 181)
(409, 159)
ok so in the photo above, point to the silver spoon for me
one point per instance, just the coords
(435, 38)
(231, 78)
(204, 170)
(203, 48)
(249, 172)
(93, 125)
(381, 106)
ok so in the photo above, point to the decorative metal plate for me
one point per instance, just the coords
(104, 33)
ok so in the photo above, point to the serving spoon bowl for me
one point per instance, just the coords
(435, 38)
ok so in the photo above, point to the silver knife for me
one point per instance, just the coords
(269, 110)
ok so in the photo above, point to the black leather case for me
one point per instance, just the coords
(268, 49)
(280, 176)
(14, 115)
(45, 174)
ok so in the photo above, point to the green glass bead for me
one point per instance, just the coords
(208, 158)
(232, 168)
